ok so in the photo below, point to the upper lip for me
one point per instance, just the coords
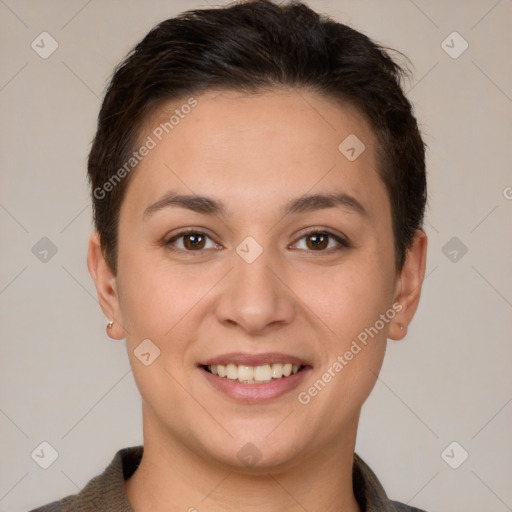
(254, 359)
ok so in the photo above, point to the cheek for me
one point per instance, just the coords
(348, 299)
(349, 303)
(158, 307)
(154, 295)
(165, 304)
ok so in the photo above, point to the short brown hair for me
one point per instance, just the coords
(251, 46)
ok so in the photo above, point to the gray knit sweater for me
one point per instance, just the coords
(105, 492)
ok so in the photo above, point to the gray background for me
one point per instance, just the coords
(63, 381)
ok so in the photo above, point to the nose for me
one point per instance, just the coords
(254, 296)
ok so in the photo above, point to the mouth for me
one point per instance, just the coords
(260, 374)
(253, 378)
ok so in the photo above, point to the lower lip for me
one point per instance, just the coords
(253, 393)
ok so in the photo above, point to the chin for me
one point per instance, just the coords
(254, 450)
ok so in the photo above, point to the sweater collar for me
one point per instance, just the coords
(368, 491)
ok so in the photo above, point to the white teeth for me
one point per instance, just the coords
(277, 371)
(245, 373)
(254, 374)
(232, 371)
(263, 373)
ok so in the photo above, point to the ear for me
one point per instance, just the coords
(408, 285)
(106, 286)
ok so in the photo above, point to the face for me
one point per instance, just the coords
(256, 277)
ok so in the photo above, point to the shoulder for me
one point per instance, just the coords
(51, 507)
(70, 503)
(401, 507)
(104, 491)
(369, 492)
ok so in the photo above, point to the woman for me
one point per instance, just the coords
(258, 183)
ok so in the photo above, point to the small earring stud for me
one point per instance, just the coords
(110, 324)
(402, 327)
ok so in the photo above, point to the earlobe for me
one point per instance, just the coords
(106, 285)
(409, 284)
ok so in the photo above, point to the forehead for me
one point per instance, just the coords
(259, 148)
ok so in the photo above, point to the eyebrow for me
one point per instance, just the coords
(209, 206)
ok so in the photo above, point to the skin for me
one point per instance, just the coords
(254, 153)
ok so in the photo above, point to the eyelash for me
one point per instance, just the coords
(343, 243)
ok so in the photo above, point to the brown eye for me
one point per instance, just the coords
(320, 241)
(190, 241)
(194, 241)
(317, 241)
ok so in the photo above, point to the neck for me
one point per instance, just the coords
(173, 477)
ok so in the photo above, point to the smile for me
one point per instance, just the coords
(255, 378)
(260, 374)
